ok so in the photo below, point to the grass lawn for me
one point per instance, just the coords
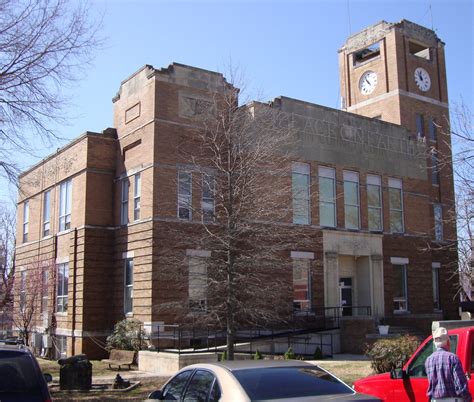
(98, 368)
(347, 371)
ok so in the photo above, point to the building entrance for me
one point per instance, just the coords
(345, 286)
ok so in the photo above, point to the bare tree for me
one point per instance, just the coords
(239, 160)
(7, 256)
(31, 287)
(462, 131)
(44, 45)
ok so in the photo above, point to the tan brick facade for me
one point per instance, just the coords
(156, 113)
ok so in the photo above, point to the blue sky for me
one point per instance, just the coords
(283, 47)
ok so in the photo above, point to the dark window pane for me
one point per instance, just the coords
(199, 387)
(289, 382)
(172, 391)
(420, 125)
(433, 134)
(215, 393)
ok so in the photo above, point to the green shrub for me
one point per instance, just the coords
(127, 335)
(390, 354)
(257, 355)
(289, 355)
(318, 354)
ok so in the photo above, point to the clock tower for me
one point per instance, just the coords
(396, 72)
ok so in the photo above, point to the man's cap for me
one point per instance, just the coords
(440, 335)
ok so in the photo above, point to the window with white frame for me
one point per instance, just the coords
(351, 200)
(22, 290)
(128, 286)
(207, 203)
(65, 193)
(26, 219)
(184, 195)
(124, 202)
(374, 202)
(197, 284)
(300, 190)
(301, 284)
(438, 221)
(47, 213)
(62, 288)
(327, 196)
(137, 190)
(44, 291)
(435, 266)
(400, 293)
(395, 193)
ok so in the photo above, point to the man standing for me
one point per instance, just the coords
(447, 381)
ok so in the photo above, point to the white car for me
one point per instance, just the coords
(256, 380)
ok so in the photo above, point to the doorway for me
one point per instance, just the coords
(345, 286)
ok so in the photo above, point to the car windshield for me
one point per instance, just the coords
(289, 382)
(17, 373)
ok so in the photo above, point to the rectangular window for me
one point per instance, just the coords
(400, 301)
(433, 130)
(61, 347)
(44, 291)
(419, 50)
(327, 197)
(420, 126)
(26, 219)
(395, 193)
(137, 190)
(46, 213)
(22, 291)
(351, 200)
(128, 286)
(207, 203)
(434, 167)
(438, 221)
(300, 190)
(366, 54)
(124, 202)
(374, 202)
(301, 285)
(197, 284)
(65, 193)
(435, 275)
(62, 291)
(184, 195)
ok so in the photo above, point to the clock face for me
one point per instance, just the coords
(422, 79)
(367, 82)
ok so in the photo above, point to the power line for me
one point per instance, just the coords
(349, 17)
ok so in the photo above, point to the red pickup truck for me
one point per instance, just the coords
(410, 383)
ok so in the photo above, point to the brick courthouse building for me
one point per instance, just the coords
(377, 200)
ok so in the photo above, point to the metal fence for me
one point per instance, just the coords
(304, 334)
